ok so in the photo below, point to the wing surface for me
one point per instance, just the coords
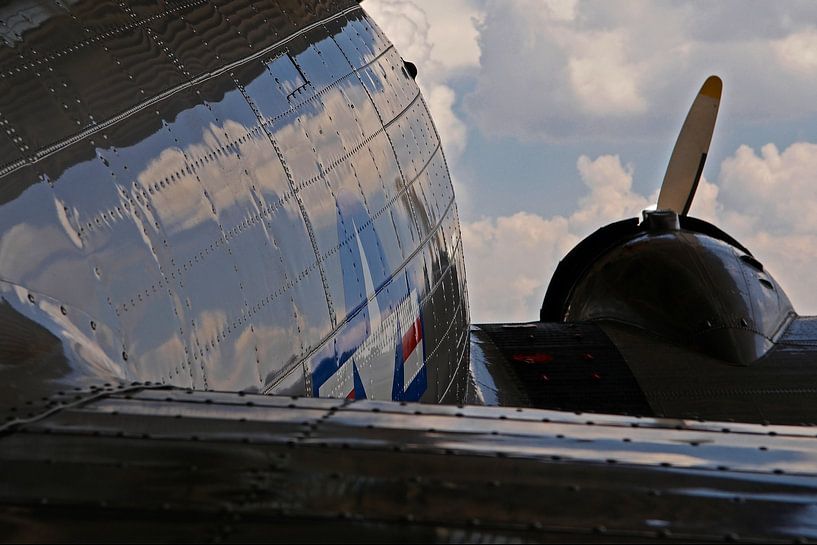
(159, 464)
(611, 367)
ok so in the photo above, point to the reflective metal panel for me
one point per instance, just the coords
(224, 195)
(162, 463)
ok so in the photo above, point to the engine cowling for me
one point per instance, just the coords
(679, 278)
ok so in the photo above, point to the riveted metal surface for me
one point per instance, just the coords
(490, 381)
(609, 367)
(779, 388)
(221, 192)
(686, 286)
(571, 367)
(190, 465)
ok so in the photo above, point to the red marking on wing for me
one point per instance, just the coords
(412, 338)
(539, 357)
(351, 394)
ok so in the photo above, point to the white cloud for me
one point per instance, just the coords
(560, 10)
(766, 201)
(603, 70)
(774, 188)
(439, 52)
(611, 197)
(440, 100)
(405, 24)
(603, 79)
(798, 51)
(508, 262)
(510, 259)
(453, 34)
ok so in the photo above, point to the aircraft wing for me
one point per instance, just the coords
(160, 464)
(615, 368)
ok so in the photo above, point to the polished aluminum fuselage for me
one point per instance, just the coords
(239, 197)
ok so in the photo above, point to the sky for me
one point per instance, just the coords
(559, 116)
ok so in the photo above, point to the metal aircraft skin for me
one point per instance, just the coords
(233, 306)
(241, 196)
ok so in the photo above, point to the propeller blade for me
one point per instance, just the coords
(689, 155)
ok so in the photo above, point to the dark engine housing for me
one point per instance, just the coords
(680, 278)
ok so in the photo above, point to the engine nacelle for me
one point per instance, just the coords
(677, 277)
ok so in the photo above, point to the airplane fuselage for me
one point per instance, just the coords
(224, 197)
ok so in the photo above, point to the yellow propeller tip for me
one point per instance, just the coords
(713, 86)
